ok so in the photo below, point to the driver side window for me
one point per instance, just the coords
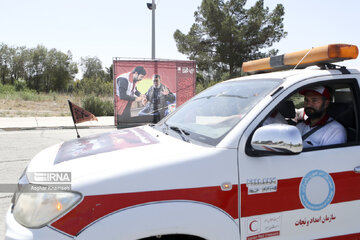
(324, 115)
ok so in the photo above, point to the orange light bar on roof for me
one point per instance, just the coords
(314, 56)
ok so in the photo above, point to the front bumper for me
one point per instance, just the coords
(15, 231)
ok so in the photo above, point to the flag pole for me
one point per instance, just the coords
(72, 114)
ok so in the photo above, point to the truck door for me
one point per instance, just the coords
(314, 194)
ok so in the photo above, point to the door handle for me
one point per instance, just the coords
(357, 169)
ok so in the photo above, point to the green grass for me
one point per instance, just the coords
(8, 92)
(26, 103)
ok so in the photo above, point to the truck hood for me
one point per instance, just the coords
(104, 143)
(142, 157)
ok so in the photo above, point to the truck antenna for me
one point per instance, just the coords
(303, 58)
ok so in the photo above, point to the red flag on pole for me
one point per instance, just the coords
(79, 114)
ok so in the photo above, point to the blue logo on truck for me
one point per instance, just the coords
(317, 190)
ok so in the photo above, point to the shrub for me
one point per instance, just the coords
(98, 107)
(29, 95)
(11, 92)
(20, 85)
(93, 86)
(7, 89)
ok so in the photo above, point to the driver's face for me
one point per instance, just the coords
(314, 104)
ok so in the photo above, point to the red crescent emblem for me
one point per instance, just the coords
(251, 227)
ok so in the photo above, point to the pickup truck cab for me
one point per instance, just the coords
(211, 170)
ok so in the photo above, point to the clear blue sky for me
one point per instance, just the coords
(122, 28)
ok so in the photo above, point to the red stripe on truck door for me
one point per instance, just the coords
(286, 198)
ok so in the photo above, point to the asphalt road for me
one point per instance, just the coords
(17, 148)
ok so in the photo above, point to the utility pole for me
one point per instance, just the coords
(152, 7)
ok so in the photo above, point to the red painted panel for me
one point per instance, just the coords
(286, 198)
(355, 236)
(95, 207)
(347, 186)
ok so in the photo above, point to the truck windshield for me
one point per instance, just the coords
(210, 115)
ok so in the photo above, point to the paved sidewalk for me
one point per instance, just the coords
(8, 123)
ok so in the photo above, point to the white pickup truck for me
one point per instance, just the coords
(211, 170)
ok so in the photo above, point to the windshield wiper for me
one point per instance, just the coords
(182, 133)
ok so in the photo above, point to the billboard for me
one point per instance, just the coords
(148, 90)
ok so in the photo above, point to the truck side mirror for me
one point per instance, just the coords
(277, 138)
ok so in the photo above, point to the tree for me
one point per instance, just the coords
(59, 71)
(225, 35)
(109, 72)
(92, 67)
(5, 57)
(36, 68)
(49, 70)
(19, 58)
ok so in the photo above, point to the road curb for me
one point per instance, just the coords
(33, 123)
(54, 128)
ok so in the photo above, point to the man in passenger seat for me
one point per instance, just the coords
(319, 129)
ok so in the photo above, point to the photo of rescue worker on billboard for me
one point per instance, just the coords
(127, 92)
(147, 91)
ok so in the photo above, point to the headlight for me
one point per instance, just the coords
(35, 210)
